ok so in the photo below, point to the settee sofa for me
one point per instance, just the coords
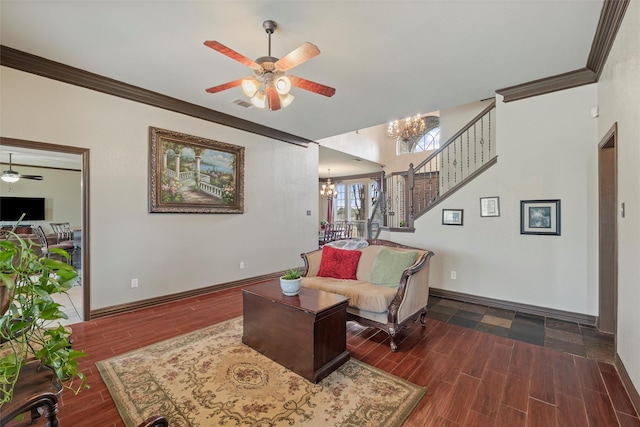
(387, 283)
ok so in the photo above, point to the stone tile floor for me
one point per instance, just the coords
(72, 305)
(570, 337)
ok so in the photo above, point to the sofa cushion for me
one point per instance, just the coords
(362, 295)
(389, 265)
(338, 263)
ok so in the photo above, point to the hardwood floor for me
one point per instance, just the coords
(473, 378)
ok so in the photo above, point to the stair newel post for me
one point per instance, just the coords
(383, 199)
(411, 185)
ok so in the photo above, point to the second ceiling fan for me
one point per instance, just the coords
(13, 176)
(270, 87)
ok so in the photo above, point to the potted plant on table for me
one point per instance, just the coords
(290, 282)
(28, 327)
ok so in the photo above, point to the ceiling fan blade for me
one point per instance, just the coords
(231, 54)
(225, 86)
(297, 57)
(311, 86)
(36, 177)
(273, 99)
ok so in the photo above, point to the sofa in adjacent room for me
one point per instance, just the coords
(387, 283)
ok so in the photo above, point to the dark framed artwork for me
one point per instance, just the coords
(452, 216)
(540, 217)
(189, 174)
(489, 206)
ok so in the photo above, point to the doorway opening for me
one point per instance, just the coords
(9, 144)
(608, 232)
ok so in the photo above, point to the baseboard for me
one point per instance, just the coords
(137, 305)
(632, 392)
(568, 316)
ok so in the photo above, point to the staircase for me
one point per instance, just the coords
(405, 196)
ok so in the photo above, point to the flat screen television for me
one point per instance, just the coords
(12, 207)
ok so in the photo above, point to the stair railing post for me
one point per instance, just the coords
(411, 185)
(383, 202)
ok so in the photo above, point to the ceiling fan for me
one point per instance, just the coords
(270, 88)
(13, 176)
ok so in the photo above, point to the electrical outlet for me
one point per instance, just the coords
(134, 283)
(454, 275)
(241, 265)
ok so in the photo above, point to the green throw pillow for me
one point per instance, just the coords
(389, 265)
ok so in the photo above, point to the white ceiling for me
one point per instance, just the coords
(386, 59)
(28, 156)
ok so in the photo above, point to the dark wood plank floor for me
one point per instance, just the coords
(473, 378)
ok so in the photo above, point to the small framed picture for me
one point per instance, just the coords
(452, 216)
(540, 217)
(489, 206)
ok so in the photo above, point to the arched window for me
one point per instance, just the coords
(427, 142)
(430, 141)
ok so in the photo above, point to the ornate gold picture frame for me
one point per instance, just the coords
(190, 174)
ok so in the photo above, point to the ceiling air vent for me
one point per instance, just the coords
(244, 104)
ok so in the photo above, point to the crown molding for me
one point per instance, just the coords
(610, 19)
(33, 64)
(563, 81)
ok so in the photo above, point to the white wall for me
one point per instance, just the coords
(60, 188)
(546, 150)
(364, 144)
(168, 253)
(619, 101)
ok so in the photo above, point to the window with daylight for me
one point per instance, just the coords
(430, 141)
(357, 198)
(340, 204)
(351, 202)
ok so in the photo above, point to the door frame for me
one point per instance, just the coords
(607, 238)
(85, 242)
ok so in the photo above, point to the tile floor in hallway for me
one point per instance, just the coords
(569, 337)
(72, 303)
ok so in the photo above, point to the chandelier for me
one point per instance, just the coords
(407, 129)
(328, 190)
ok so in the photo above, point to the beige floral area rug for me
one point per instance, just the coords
(209, 378)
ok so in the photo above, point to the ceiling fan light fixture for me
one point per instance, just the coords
(283, 85)
(10, 176)
(250, 86)
(259, 99)
(286, 100)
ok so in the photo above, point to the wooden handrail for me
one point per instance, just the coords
(459, 133)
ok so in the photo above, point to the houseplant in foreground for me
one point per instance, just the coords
(28, 327)
(290, 282)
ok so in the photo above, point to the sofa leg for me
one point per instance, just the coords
(392, 335)
(394, 346)
(422, 315)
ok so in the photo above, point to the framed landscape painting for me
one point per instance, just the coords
(189, 174)
(540, 217)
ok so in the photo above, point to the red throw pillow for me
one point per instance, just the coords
(339, 263)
